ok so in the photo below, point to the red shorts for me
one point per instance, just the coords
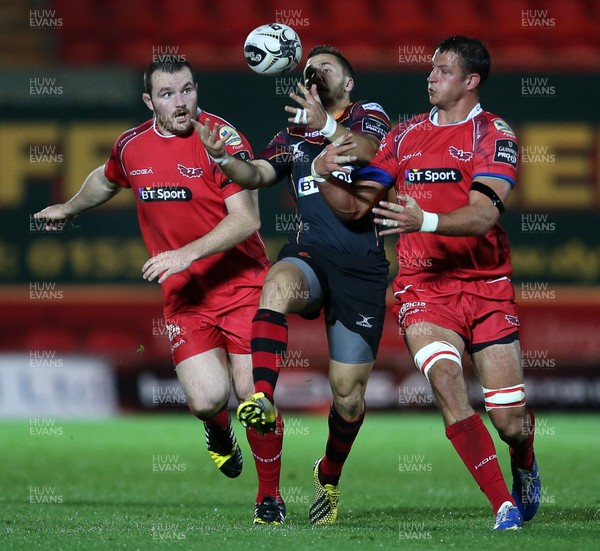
(192, 333)
(480, 311)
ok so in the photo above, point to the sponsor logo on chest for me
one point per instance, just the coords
(307, 186)
(432, 176)
(159, 194)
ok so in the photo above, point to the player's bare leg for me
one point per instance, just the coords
(437, 352)
(499, 367)
(348, 384)
(500, 372)
(446, 377)
(285, 291)
(206, 381)
(266, 449)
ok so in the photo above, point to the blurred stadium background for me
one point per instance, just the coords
(81, 334)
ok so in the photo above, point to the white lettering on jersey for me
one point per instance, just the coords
(139, 171)
(373, 107)
(411, 155)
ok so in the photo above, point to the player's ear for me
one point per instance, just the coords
(349, 85)
(148, 101)
(473, 81)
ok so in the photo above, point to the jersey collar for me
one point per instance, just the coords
(158, 133)
(434, 114)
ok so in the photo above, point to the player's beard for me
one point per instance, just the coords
(331, 96)
(170, 125)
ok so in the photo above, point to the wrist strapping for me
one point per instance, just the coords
(317, 177)
(330, 127)
(221, 161)
(430, 222)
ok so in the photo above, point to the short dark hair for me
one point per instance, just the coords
(171, 67)
(332, 50)
(473, 55)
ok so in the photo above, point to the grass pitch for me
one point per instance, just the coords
(147, 482)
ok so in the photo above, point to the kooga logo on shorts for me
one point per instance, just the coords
(432, 175)
(170, 193)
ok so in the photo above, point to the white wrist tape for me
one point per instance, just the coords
(330, 127)
(430, 222)
(313, 172)
(221, 161)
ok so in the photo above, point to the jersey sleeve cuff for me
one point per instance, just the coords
(374, 174)
(504, 177)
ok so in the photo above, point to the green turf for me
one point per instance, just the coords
(146, 482)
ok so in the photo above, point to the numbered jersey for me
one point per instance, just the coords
(291, 153)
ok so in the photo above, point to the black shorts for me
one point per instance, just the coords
(354, 287)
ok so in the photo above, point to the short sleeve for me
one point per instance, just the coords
(496, 153)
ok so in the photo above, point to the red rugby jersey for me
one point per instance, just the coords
(180, 196)
(437, 165)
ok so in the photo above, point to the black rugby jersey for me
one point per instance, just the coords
(291, 153)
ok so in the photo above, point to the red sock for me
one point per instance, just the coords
(342, 434)
(522, 455)
(269, 343)
(219, 421)
(475, 446)
(266, 451)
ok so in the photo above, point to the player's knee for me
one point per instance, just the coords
(283, 289)
(205, 409)
(276, 292)
(505, 407)
(510, 424)
(440, 362)
(445, 373)
(348, 399)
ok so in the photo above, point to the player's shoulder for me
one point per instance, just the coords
(202, 115)
(133, 133)
(368, 117)
(495, 124)
(236, 142)
(416, 121)
(366, 108)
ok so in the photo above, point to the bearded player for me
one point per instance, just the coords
(328, 263)
(453, 169)
(201, 230)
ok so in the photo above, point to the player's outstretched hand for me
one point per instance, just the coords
(311, 111)
(397, 218)
(214, 143)
(334, 156)
(166, 264)
(55, 216)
